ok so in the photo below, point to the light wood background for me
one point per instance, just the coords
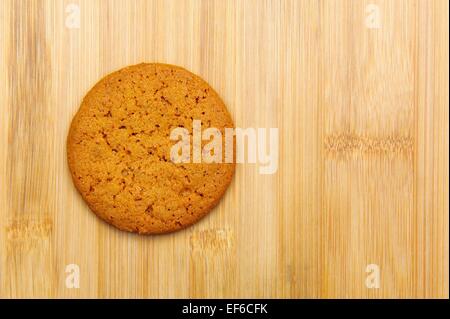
(363, 174)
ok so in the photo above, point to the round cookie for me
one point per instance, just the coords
(119, 149)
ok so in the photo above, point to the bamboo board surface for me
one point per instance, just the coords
(362, 110)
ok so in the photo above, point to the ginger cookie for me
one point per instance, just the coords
(120, 142)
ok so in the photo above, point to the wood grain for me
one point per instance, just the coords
(363, 172)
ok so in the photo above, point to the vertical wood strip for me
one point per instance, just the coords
(29, 222)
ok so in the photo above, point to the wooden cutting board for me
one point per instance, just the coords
(357, 208)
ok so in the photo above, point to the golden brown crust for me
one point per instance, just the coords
(118, 149)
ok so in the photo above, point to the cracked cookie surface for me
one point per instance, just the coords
(119, 144)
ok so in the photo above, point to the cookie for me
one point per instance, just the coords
(119, 149)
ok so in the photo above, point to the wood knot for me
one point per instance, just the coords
(347, 144)
(211, 240)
